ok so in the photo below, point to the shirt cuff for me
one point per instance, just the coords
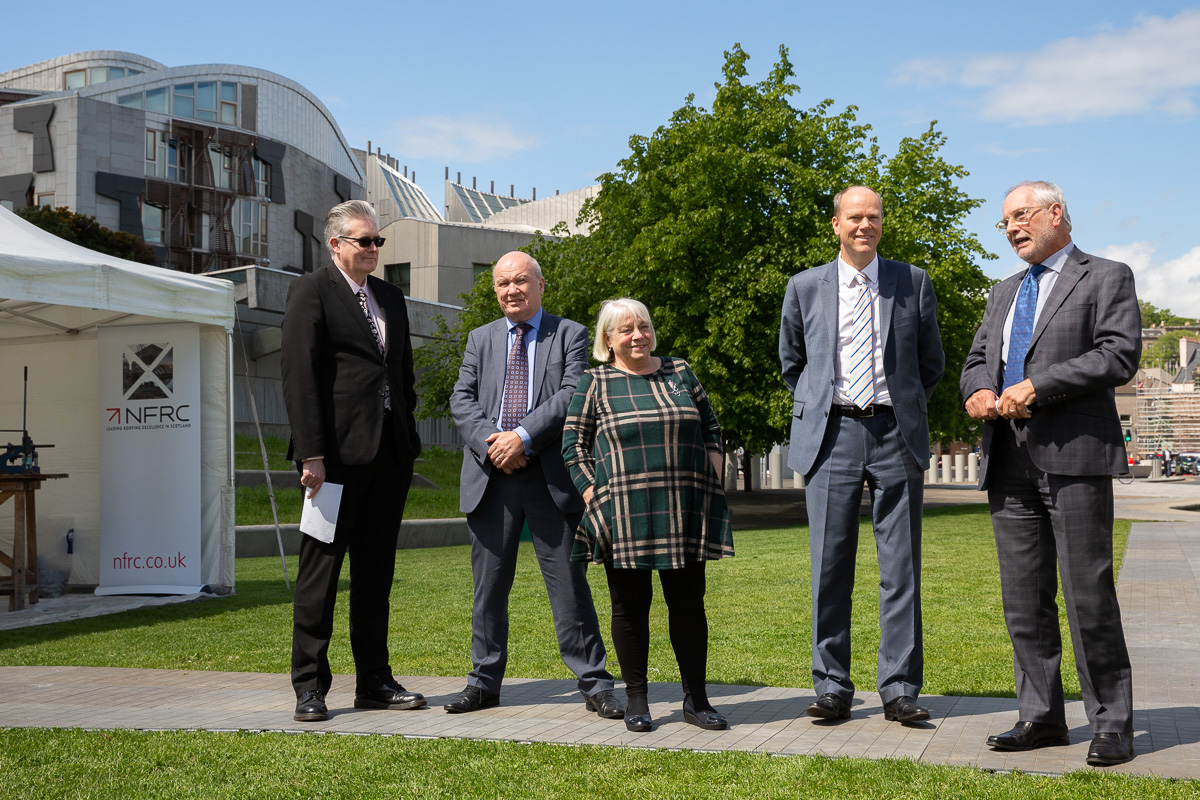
(524, 434)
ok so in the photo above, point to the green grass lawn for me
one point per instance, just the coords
(130, 764)
(439, 466)
(759, 617)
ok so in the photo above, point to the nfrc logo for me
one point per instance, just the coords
(148, 374)
(147, 371)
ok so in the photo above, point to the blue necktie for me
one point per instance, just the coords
(1022, 327)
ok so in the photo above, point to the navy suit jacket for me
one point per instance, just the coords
(913, 361)
(1087, 341)
(559, 359)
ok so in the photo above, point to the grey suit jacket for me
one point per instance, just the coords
(913, 361)
(559, 360)
(1086, 342)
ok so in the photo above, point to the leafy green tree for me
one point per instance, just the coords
(709, 216)
(84, 231)
(1152, 316)
(1164, 352)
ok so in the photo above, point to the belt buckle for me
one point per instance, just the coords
(869, 411)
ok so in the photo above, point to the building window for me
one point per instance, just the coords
(262, 178)
(75, 79)
(221, 159)
(206, 101)
(399, 274)
(185, 100)
(45, 199)
(79, 78)
(131, 100)
(250, 228)
(201, 230)
(154, 223)
(167, 158)
(156, 100)
(480, 269)
(229, 93)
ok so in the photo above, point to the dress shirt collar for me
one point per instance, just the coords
(1056, 262)
(847, 274)
(354, 287)
(534, 322)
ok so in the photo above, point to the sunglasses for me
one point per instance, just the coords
(365, 241)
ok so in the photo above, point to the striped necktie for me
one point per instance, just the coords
(861, 389)
(1021, 334)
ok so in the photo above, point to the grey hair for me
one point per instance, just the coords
(613, 313)
(837, 198)
(1045, 193)
(337, 221)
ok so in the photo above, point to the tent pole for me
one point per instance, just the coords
(262, 447)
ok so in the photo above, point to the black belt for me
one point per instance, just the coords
(854, 411)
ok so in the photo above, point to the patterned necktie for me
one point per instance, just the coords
(1021, 334)
(362, 301)
(862, 350)
(516, 381)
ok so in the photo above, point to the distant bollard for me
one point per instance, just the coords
(960, 464)
(946, 469)
(754, 464)
(776, 467)
(931, 474)
(972, 468)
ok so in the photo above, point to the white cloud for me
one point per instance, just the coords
(462, 139)
(1173, 285)
(1151, 66)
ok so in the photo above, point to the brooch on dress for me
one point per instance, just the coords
(675, 390)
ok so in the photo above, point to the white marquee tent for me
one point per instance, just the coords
(53, 297)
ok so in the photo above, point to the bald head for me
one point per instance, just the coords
(517, 280)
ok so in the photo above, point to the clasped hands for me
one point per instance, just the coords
(506, 451)
(1013, 403)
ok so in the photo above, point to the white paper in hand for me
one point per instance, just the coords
(319, 517)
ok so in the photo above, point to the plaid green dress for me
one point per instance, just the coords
(642, 443)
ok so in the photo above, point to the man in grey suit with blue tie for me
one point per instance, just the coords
(861, 354)
(509, 404)
(1055, 341)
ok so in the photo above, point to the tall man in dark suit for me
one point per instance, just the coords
(862, 355)
(1054, 342)
(510, 403)
(348, 387)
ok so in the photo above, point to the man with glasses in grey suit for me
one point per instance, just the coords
(1055, 341)
(509, 405)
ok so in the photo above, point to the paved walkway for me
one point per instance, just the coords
(1159, 589)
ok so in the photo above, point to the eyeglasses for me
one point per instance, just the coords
(1020, 216)
(365, 241)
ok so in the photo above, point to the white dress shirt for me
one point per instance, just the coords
(848, 290)
(1045, 282)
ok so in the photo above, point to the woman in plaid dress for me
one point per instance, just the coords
(644, 449)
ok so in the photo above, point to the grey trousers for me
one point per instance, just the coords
(1045, 525)
(495, 525)
(857, 451)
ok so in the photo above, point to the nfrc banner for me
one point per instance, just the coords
(149, 459)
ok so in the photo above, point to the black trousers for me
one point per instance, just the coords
(683, 589)
(368, 524)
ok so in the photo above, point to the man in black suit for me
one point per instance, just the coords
(348, 387)
(1055, 341)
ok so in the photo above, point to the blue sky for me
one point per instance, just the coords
(1098, 96)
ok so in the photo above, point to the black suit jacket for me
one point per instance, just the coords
(333, 373)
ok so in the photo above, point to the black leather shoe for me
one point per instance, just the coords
(472, 698)
(1030, 736)
(829, 706)
(391, 696)
(310, 707)
(1110, 748)
(605, 705)
(638, 723)
(708, 718)
(904, 709)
